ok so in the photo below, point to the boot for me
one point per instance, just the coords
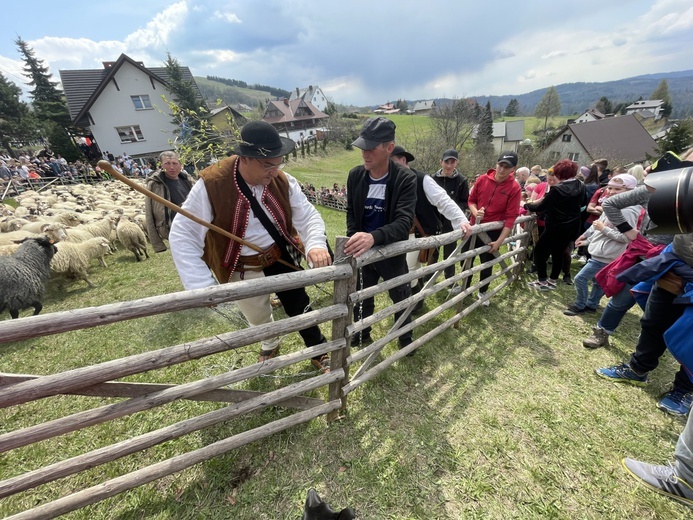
(600, 338)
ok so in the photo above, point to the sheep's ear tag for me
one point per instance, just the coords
(51, 241)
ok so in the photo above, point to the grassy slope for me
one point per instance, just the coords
(502, 418)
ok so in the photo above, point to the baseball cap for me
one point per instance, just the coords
(450, 154)
(399, 150)
(625, 180)
(375, 130)
(509, 158)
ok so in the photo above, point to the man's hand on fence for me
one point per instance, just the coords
(358, 244)
(466, 229)
(318, 257)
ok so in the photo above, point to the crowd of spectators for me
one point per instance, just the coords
(334, 197)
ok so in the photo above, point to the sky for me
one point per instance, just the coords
(363, 52)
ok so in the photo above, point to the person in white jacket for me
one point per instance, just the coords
(605, 244)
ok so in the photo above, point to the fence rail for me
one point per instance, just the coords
(102, 380)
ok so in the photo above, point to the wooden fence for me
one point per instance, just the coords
(102, 380)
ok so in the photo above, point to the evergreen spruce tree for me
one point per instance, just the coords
(17, 123)
(484, 134)
(513, 108)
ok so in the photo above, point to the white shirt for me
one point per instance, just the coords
(447, 207)
(187, 238)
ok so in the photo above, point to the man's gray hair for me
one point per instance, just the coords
(168, 155)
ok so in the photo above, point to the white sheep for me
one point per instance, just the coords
(55, 232)
(73, 260)
(132, 237)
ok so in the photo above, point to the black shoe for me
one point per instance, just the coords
(361, 339)
(403, 343)
(591, 310)
(574, 311)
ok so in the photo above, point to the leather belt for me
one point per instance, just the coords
(671, 283)
(260, 261)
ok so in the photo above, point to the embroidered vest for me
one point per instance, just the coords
(232, 210)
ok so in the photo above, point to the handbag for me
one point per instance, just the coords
(425, 255)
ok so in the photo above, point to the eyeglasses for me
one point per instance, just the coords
(271, 166)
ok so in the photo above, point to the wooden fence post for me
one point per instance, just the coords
(342, 290)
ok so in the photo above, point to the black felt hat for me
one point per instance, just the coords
(261, 140)
(399, 150)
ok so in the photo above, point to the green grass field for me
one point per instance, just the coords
(501, 418)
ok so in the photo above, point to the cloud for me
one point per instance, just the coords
(159, 32)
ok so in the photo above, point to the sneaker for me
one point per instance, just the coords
(573, 310)
(455, 290)
(599, 338)
(661, 479)
(582, 260)
(485, 303)
(676, 402)
(567, 279)
(551, 283)
(622, 373)
(540, 285)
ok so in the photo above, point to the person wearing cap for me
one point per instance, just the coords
(456, 186)
(605, 244)
(496, 197)
(432, 205)
(381, 202)
(224, 198)
(170, 183)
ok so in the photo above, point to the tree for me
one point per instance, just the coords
(604, 105)
(662, 92)
(453, 123)
(678, 138)
(17, 123)
(548, 106)
(184, 94)
(484, 134)
(402, 105)
(48, 102)
(513, 108)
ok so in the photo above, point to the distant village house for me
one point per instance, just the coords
(297, 119)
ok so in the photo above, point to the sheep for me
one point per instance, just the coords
(23, 276)
(73, 259)
(55, 232)
(101, 228)
(132, 237)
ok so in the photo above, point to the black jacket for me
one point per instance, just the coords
(562, 204)
(426, 213)
(457, 187)
(400, 200)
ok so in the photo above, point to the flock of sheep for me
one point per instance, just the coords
(61, 232)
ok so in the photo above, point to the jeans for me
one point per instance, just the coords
(585, 297)
(684, 452)
(619, 304)
(660, 314)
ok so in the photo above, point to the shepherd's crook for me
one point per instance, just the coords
(105, 165)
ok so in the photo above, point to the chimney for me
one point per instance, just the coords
(298, 92)
(286, 102)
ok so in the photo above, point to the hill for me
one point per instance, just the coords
(578, 97)
(231, 95)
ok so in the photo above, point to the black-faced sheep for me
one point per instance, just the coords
(23, 276)
(132, 237)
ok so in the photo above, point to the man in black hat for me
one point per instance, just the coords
(231, 195)
(433, 206)
(381, 199)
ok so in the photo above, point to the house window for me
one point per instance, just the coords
(566, 138)
(141, 102)
(554, 156)
(574, 156)
(129, 134)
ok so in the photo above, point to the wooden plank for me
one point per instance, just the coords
(53, 323)
(72, 380)
(173, 465)
(118, 389)
(84, 419)
(121, 449)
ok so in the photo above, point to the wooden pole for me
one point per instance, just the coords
(105, 165)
